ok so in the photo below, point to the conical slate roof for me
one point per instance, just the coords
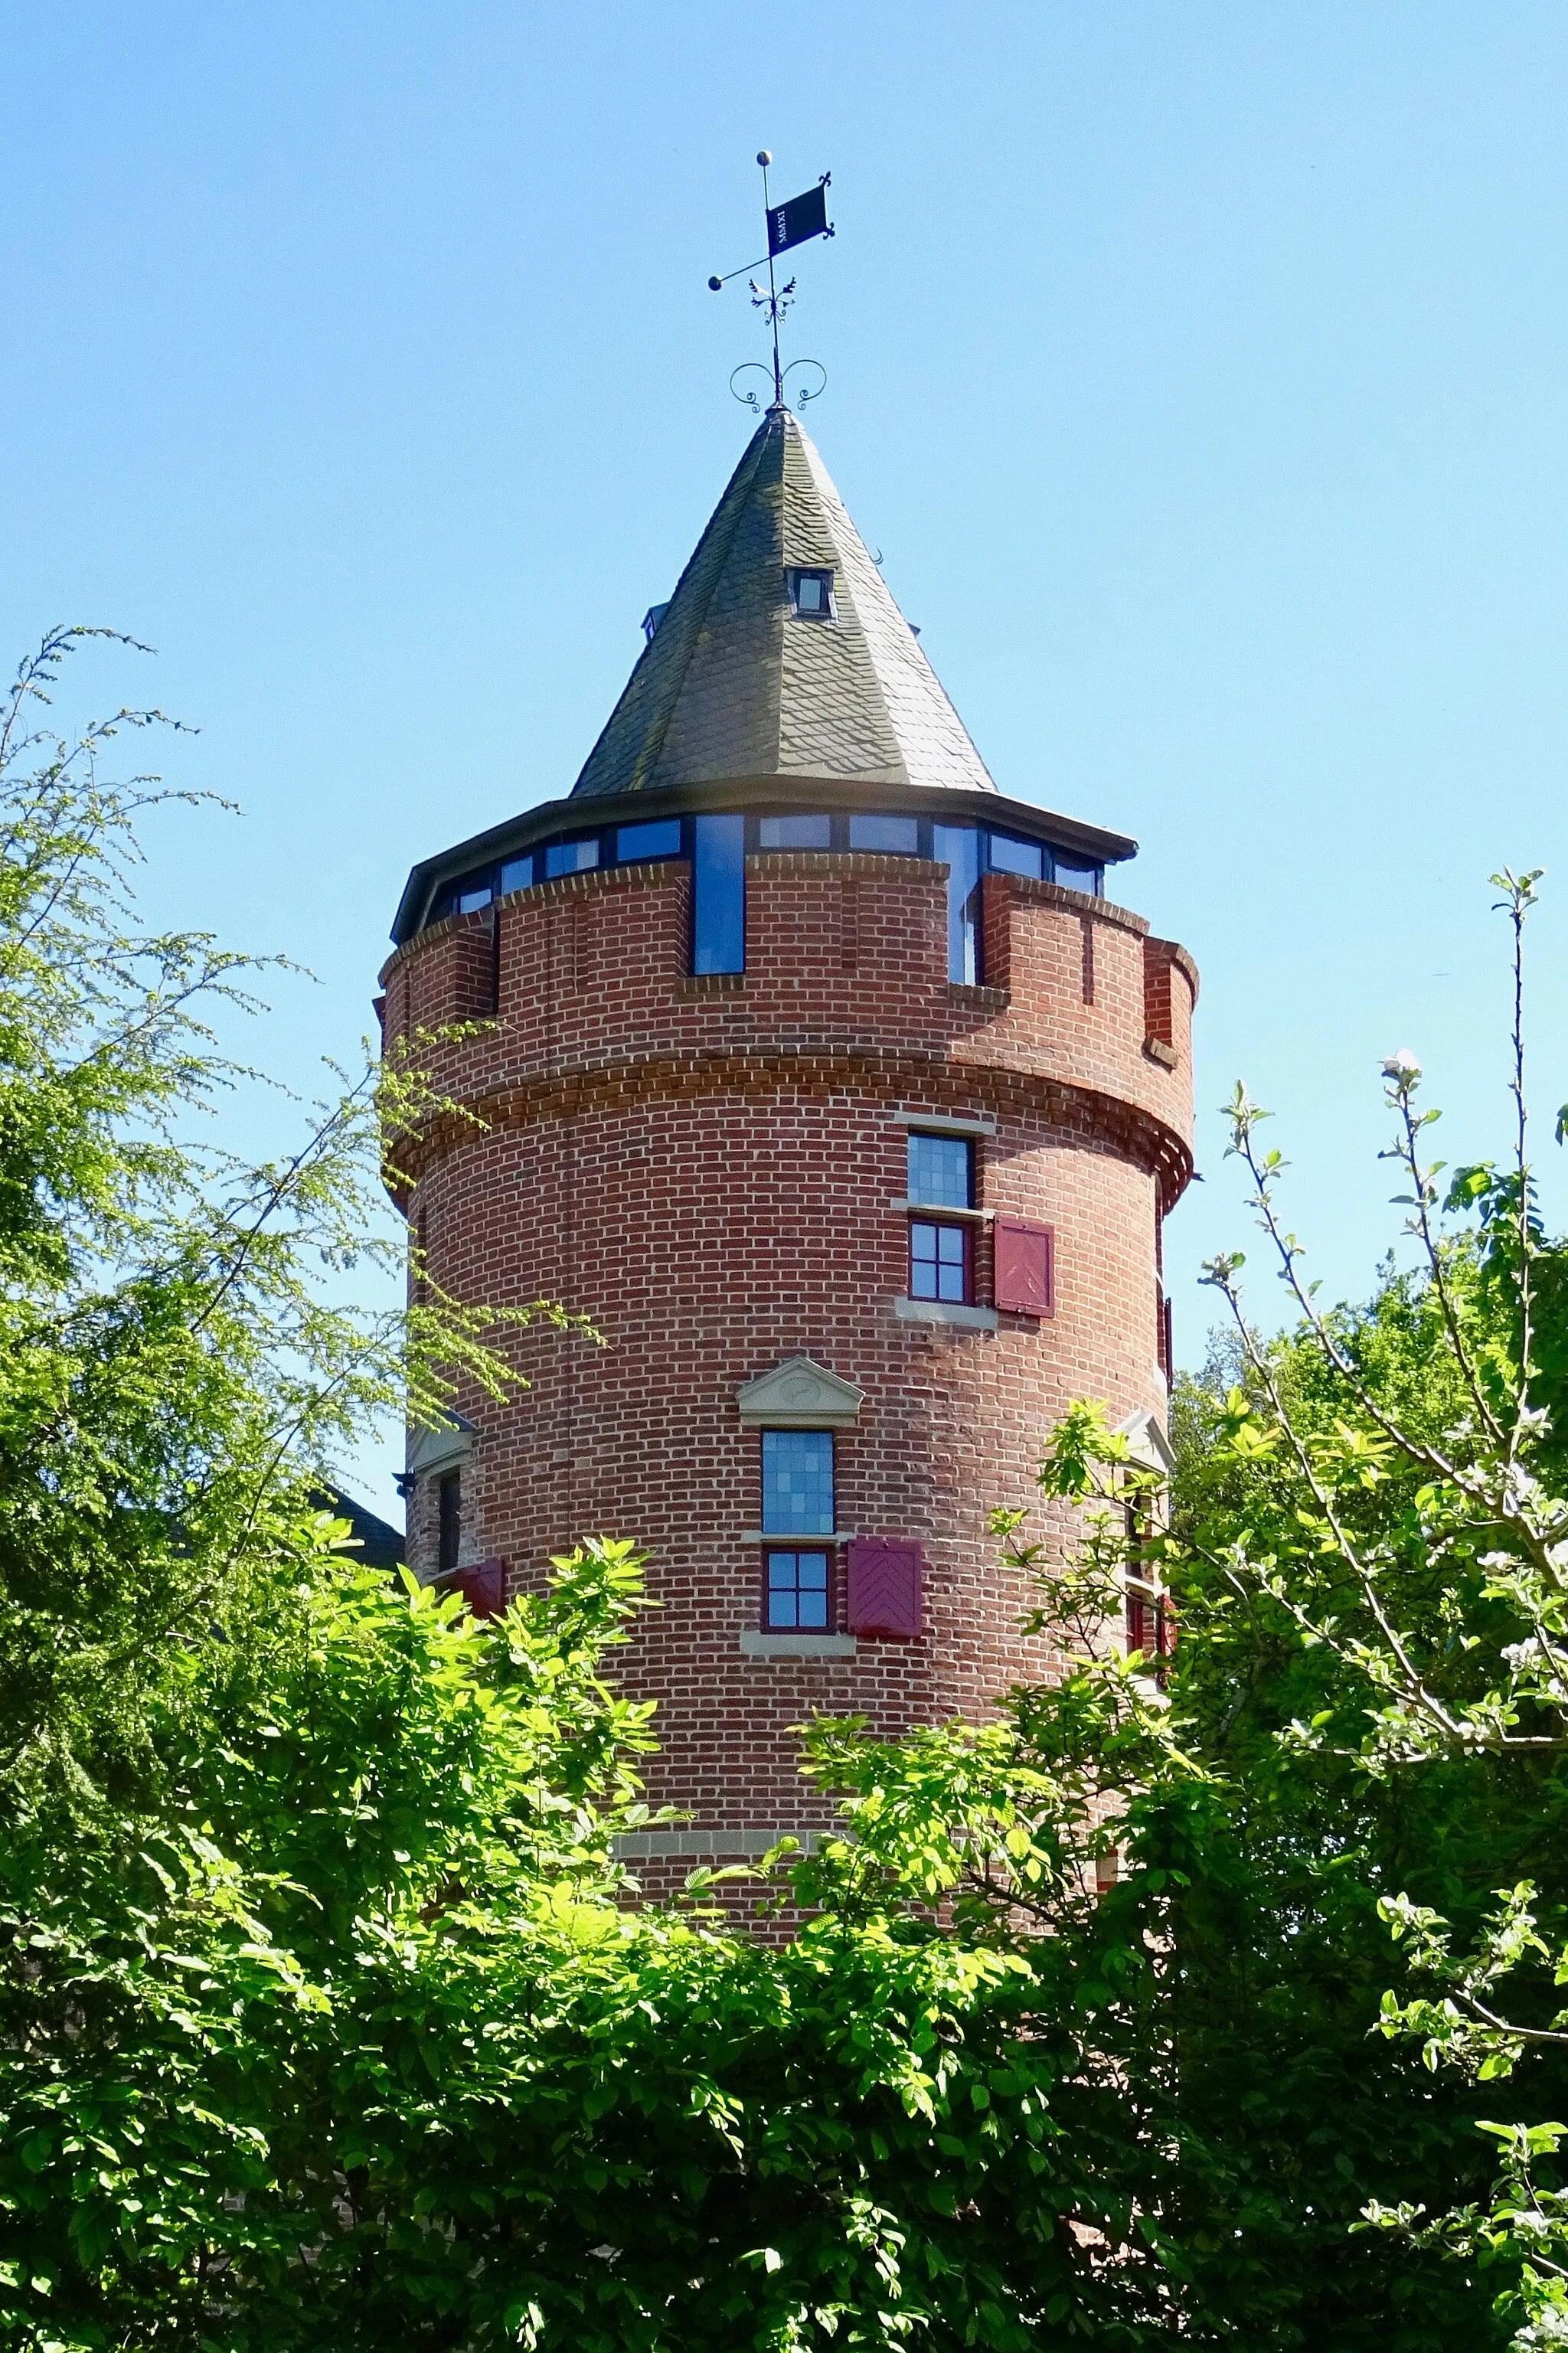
(735, 685)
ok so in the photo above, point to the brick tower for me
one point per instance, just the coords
(827, 1081)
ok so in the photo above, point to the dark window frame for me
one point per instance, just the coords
(935, 1222)
(794, 574)
(796, 1552)
(448, 1521)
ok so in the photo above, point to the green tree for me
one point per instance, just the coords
(1361, 1732)
(323, 2019)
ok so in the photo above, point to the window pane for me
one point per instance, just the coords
(797, 1481)
(649, 841)
(942, 1172)
(1009, 856)
(719, 894)
(571, 857)
(1076, 875)
(797, 1592)
(959, 847)
(901, 835)
(468, 902)
(796, 833)
(939, 1262)
(517, 874)
(808, 594)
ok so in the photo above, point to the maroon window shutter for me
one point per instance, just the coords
(884, 1596)
(1026, 1267)
(483, 1588)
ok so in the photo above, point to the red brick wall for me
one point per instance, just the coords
(707, 1169)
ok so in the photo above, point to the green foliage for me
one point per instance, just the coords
(323, 2019)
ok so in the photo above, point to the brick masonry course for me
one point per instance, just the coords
(707, 1169)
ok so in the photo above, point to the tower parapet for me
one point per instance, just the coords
(848, 1118)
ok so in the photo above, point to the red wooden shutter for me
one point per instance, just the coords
(884, 1595)
(483, 1588)
(1026, 1267)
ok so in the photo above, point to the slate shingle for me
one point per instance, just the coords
(734, 685)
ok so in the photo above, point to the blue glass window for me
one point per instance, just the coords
(796, 833)
(467, 900)
(797, 1592)
(900, 835)
(1077, 874)
(939, 1261)
(959, 847)
(719, 894)
(517, 874)
(1010, 856)
(942, 1172)
(649, 841)
(797, 1483)
(571, 857)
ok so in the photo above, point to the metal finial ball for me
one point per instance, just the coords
(763, 158)
(717, 284)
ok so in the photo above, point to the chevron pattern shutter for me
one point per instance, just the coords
(1026, 1268)
(884, 1586)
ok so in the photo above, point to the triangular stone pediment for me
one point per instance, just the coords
(451, 1442)
(1147, 1438)
(800, 1394)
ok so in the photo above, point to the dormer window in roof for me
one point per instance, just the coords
(651, 620)
(811, 593)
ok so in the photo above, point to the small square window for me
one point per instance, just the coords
(794, 833)
(649, 841)
(797, 1592)
(811, 595)
(899, 835)
(797, 1483)
(571, 857)
(517, 874)
(939, 1261)
(942, 1172)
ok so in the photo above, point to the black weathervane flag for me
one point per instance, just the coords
(802, 217)
(790, 224)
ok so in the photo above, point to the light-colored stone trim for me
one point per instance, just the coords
(799, 1394)
(796, 1539)
(757, 1645)
(941, 1123)
(634, 1846)
(943, 1209)
(943, 1310)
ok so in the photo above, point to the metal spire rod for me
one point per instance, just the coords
(764, 159)
(803, 218)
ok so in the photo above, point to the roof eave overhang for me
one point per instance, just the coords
(594, 810)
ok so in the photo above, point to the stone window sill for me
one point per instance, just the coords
(798, 1539)
(638, 1846)
(757, 1645)
(1158, 1051)
(942, 1311)
(937, 1210)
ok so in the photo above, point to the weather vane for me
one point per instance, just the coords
(789, 223)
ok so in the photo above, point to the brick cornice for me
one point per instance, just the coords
(1093, 1116)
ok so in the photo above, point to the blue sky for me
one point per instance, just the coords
(1199, 370)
